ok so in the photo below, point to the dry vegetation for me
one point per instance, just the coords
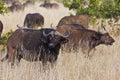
(103, 65)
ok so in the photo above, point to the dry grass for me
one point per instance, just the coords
(51, 16)
(103, 65)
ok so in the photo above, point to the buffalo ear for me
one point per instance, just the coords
(96, 37)
(64, 40)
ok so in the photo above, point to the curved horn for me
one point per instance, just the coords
(51, 25)
(104, 30)
(18, 26)
(45, 34)
(58, 33)
(21, 27)
(98, 28)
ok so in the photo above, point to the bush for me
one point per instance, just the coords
(96, 8)
(3, 8)
(5, 38)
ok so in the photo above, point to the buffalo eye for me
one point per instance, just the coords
(96, 37)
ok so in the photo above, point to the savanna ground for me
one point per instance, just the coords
(103, 65)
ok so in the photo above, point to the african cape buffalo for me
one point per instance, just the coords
(1, 29)
(78, 19)
(28, 3)
(85, 39)
(16, 6)
(7, 1)
(69, 27)
(33, 19)
(49, 5)
(34, 45)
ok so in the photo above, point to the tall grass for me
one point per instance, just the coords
(103, 65)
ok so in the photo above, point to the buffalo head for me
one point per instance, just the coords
(55, 38)
(106, 38)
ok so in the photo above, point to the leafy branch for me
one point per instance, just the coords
(3, 8)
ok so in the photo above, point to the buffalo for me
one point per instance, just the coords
(28, 3)
(85, 39)
(68, 27)
(78, 19)
(7, 1)
(33, 20)
(1, 29)
(49, 5)
(16, 6)
(34, 45)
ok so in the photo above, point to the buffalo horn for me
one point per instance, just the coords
(47, 34)
(104, 31)
(18, 26)
(98, 28)
(58, 33)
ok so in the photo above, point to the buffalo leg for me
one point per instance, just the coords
(18, 58)
(92, 53)
(44, 64)
(5, 58)
(11, 54)
(53, 61)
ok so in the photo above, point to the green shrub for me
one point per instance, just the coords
(3, 8)
(96, 8)
(5, 38)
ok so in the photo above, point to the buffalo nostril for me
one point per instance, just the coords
(51, 45)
